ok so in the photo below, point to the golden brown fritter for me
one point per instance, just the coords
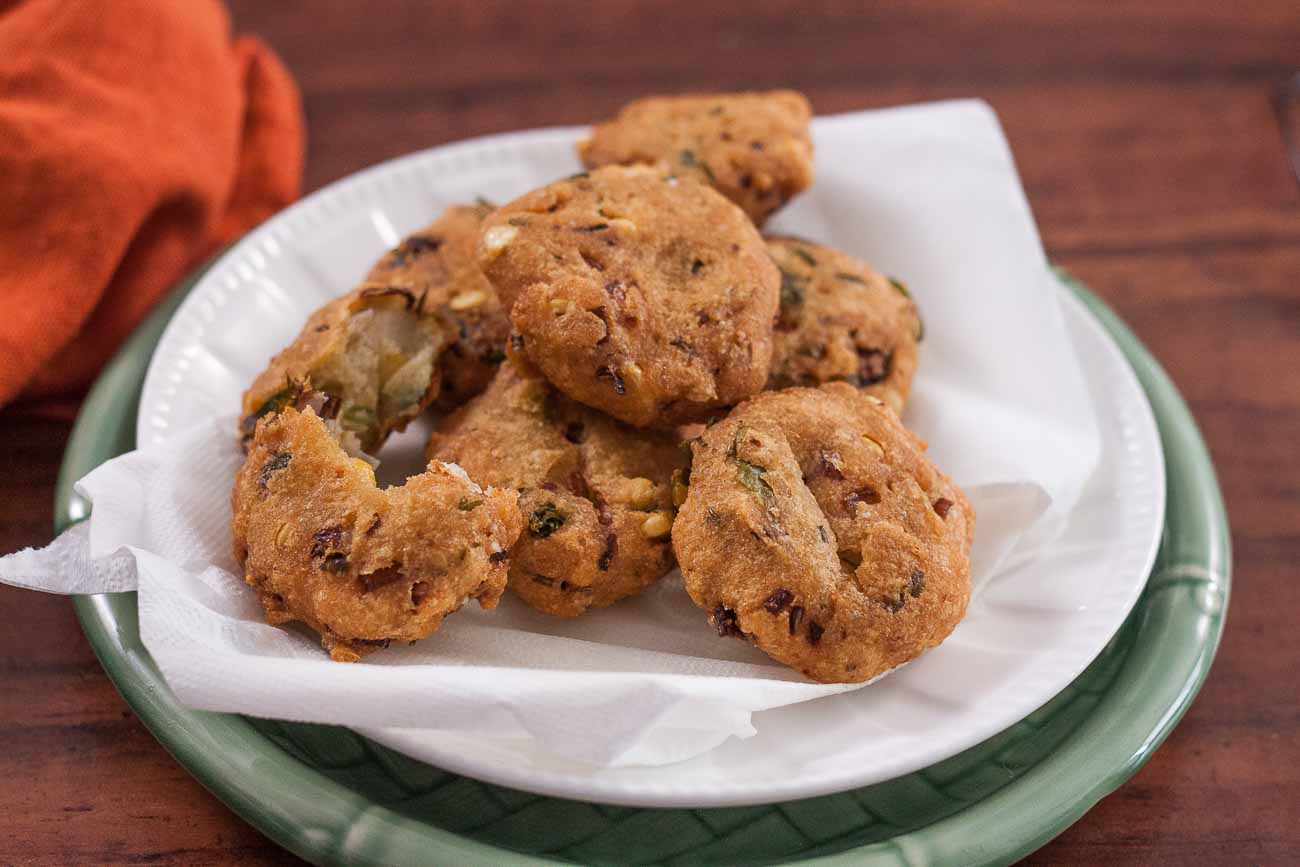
(595, 495)
(754, 148)
(649, 297)
(373, 351)
(815, 527)
(322, 544)
(425, 324)
(841, 321)
(439, 263)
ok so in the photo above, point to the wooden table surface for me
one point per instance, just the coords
(1147, 140)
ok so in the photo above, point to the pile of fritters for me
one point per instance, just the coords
(630, 378)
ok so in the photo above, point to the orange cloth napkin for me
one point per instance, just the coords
(136, 137)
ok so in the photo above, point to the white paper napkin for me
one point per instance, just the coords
(928, 193)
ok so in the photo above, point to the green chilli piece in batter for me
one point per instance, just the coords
(545, 520)
(357, 417)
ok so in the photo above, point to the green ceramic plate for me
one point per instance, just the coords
(333, 797)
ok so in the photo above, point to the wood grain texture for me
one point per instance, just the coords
(1147, 143)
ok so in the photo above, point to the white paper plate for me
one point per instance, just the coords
(1015, 650)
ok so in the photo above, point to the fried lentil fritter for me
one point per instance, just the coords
(841, 321)
(439, 264)
(320, 543)
(754, 148)
(595, 495)
(373, 351)
(425, 325)
(649, 297)
(816, 528)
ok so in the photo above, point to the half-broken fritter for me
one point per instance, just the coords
(373, 352)
(321, 543)
(439, 264)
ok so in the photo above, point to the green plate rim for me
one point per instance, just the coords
(311, 815)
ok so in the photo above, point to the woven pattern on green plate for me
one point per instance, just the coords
(602, 834)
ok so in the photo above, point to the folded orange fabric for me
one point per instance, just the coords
(136, 137)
